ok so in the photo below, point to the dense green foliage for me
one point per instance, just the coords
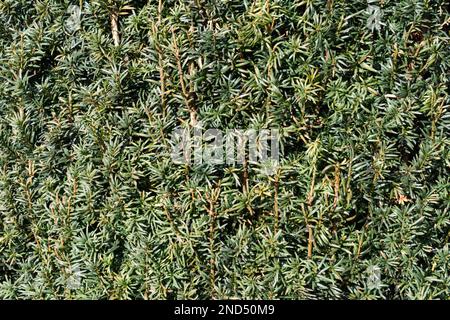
(92, 206)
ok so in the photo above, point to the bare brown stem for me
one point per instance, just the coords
(275, 201)
(337, 181)
(115, 28)
(310, 241)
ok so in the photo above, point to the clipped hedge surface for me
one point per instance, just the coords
(92, 206)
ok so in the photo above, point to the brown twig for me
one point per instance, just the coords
(308, 229)
(311, 188)
(245, 176)
(189, 106)
(115, 28)
(337, 181)
(309, 202)
(310, 241)
(275, 201)
(212, 199)
(162, 78)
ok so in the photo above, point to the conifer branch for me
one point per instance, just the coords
(185, 93)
